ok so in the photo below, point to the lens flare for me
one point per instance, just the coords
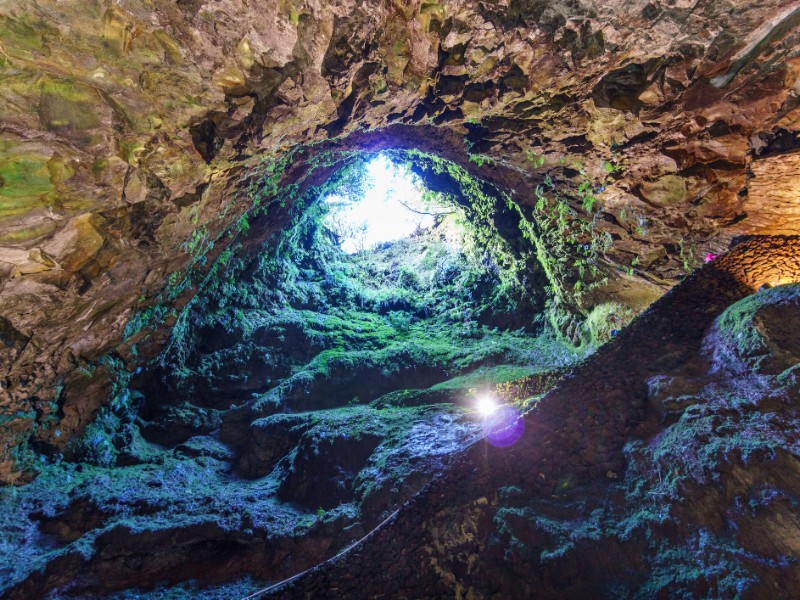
(505, 427)
(486, 405)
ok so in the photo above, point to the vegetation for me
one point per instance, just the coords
(380, 346)
(443, 301)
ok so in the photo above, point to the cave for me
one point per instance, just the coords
(369, 299)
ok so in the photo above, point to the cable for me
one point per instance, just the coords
(275, 586)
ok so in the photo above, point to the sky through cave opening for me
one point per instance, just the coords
(385, 203)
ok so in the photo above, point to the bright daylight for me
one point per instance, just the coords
(391, 208)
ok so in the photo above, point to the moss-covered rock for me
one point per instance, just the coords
(758, 333)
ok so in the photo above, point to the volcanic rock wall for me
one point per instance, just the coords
(566, 513)
(130, 129)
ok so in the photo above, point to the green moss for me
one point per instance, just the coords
(486, 376)
(29, 233)
(67, 104)
(705, 561)
(606, 318)
(21, 36)
(23, 179)
(742, 334)
(442, 303)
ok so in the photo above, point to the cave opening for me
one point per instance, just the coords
(326, 370)
(383, 202)
(388, 275)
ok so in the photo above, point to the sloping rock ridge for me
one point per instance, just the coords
(672, 476)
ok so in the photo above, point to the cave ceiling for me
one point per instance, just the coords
(127, 127)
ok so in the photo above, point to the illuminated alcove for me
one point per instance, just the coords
(394, 241)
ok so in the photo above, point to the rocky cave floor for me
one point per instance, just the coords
(296, 410)
(190, 499)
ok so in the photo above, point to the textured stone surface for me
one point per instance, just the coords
(772, 205)
(605, 496)
(128, 126)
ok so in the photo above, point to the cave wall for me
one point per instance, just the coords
(665, 465)
(132, 132)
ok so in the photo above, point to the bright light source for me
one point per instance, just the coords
(391, 209)
(486, 405)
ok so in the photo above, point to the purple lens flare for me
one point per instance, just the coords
(504, 426)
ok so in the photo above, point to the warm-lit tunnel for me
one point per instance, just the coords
(399, 300)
